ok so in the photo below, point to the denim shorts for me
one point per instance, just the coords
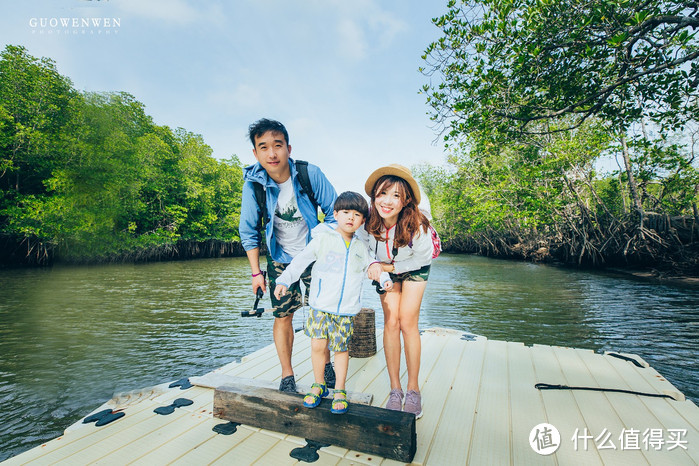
(336, 329)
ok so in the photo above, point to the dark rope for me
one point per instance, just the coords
(626, 358)
(548, 386)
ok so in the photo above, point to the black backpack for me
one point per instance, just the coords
(306, 188)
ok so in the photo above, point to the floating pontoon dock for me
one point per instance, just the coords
(481, 407)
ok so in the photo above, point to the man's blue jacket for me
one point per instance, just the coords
(250, 211)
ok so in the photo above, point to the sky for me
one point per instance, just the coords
(341, 76)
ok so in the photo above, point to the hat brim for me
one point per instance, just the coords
(393, 170)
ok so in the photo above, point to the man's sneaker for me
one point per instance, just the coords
(395, 400)
(329, 375)
(413, 403)
(288, 384)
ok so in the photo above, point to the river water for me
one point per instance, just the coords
(71, 337)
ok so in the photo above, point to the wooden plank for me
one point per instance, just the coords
(205, 448)
(158, 438)
(526, 406)
(365, 428)
(562, 410)
(600, 415)
(380, 386)
(373, 378)
(122, 438)
(88, 441)
(451, 440)
(280, 454)
(87, 435)
(491, 436)
(679, 412)
(357, 457)
(441, 354)
(219, 380)
(372, 461)
(362, 371)
(243, 452)
(658, 383)
(191, 439)
(634, 411)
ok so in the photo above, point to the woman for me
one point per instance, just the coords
(398, 234)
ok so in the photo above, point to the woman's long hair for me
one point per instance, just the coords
(410, 219)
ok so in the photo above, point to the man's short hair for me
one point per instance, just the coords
(260, 127)
(349, 200)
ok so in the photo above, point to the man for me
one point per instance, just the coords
(290, 214)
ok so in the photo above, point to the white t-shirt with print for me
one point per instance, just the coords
(290, 229)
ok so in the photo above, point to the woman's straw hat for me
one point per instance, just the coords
(395, 170)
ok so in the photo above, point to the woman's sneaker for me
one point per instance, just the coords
(395, 400)
(413, 403)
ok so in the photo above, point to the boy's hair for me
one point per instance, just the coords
(349, 200)
(260, 127)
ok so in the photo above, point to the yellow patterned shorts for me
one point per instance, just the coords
(336, 329)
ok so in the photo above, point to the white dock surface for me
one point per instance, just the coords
(479, 400)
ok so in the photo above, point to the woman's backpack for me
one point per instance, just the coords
(436, 243)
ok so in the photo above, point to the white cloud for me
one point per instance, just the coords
(364, 26)
(352, 44)
(386, 27)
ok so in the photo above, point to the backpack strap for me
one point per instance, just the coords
(305, 180)
(261, 197)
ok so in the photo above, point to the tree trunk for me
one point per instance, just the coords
(633, 187)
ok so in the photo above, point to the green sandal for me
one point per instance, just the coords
(341, 401)
(311, 400)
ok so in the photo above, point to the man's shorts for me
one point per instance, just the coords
(336, 329)
(293, 299)
(419, 275)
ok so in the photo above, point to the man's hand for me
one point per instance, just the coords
(258, 282)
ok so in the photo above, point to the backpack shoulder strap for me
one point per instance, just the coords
(261, 198)
(304, 179)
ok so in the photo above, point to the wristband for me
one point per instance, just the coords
(256, 274)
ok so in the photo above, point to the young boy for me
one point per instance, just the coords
(341, 262)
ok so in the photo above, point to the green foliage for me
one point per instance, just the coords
(497, 189)
(531, 94)
(89, 175)
(515, 66)
(667, 175)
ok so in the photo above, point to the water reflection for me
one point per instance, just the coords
(70, 337)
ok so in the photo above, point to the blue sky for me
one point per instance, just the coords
(342, 76)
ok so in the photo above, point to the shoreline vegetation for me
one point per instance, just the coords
(89, 178)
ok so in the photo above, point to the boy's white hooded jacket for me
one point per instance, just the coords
(338, 272)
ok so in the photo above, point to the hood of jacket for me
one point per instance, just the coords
(257, 174)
